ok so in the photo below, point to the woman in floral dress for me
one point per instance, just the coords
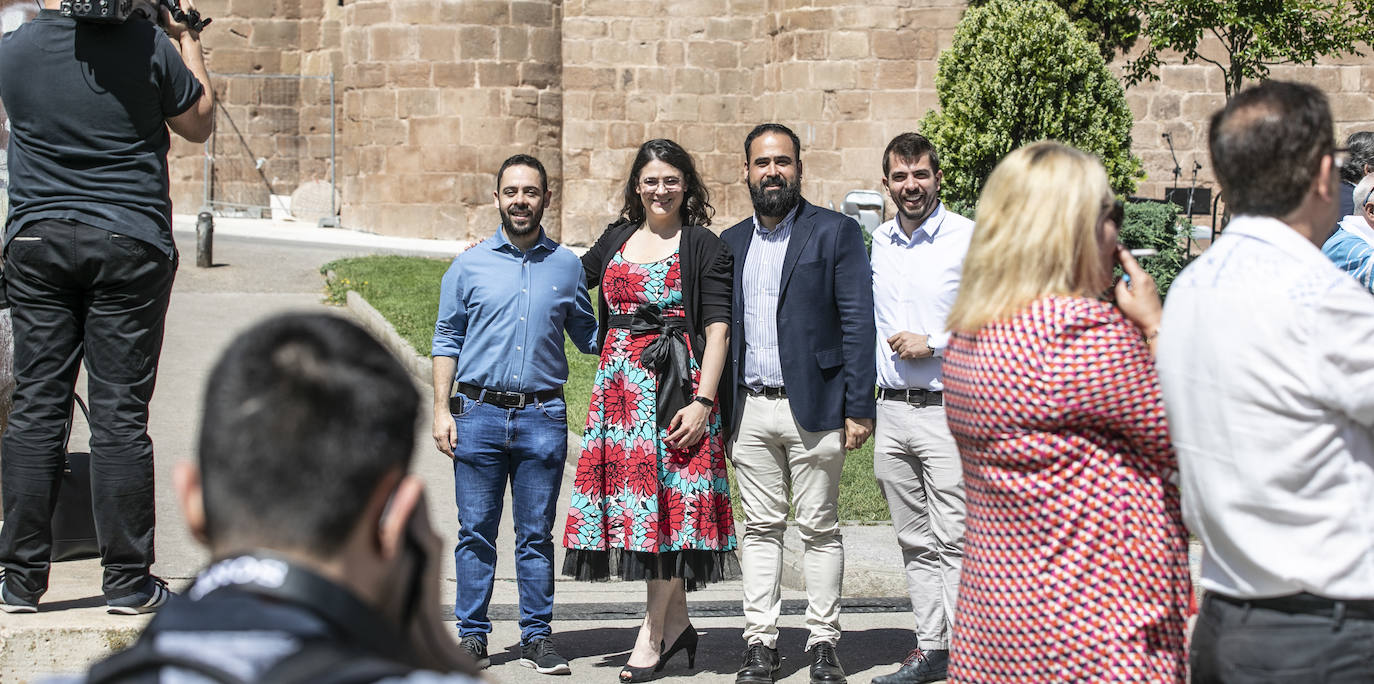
(1076, 558)
(651, 500)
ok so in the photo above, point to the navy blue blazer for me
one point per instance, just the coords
(826, 336)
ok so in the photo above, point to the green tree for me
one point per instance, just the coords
(1113, 25)
(1018, 72)
(1254, 34)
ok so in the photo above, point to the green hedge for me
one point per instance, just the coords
(1154, 225)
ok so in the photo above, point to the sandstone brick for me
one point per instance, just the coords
(714, 54)
(454, 75)
(551, 106)
(536, 13)
(477, 42)
(538, 75)
(733, 27)
(678, 108)
(625, 135)
(811, 45)
(366, 75)
(438, 43)
(379, 103)
(588, 78)
(482, 12)
(641, 107)
(697, 138)
(852, 105)
(584, 28)
(409, 75)
(1165, 106)
(513, 43)
(619, 29)
(495, 75)
(414, 11)
(848, 45)
(807, 19)
(385, 43)
(389, 131)
(894, 104)
(498, 131)
(833, 75)
(586, 135)
(417, 102)
(249, 8)
(698, 8)
(544, 46)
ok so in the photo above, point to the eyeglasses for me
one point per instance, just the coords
(670, 183)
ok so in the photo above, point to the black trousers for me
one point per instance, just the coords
(1250, 644)
(76, 291)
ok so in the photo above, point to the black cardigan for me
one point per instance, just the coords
(708, 273)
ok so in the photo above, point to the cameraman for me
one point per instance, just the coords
(324, 567)
(89, 260)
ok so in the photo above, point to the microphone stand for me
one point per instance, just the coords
(1191, 187)
(1178, 172)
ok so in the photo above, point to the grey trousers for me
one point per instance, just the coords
(774, 458)
(919, 472)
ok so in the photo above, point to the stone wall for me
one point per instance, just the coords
(434, 94)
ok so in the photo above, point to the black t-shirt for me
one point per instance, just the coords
(88, 105)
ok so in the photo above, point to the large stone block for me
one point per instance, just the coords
(275, 34)
(453, 75)
(390, 43)
(439, 43)
(537, 13)
(417, 102)
(498, 74)
(477, 42)
(713, 54)
(410, 75)
(478, 12)
(513, 43)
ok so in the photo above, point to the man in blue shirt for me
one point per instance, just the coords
(502, 311)
(1351, 246)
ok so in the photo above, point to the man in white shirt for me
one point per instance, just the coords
(918, 257)
(1268, 377)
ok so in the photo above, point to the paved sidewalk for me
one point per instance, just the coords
(260, 272)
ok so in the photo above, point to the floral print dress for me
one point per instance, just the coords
(639, 509)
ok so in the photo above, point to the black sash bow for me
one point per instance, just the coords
(667, 356)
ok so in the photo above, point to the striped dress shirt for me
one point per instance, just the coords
(762, 280)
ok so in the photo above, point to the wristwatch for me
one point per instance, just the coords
(708, 403)
(932, 349)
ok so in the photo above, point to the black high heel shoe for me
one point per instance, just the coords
(687, 640)
(630, 673)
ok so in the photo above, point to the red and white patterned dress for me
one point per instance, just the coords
(1076, 557)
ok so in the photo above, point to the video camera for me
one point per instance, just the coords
(119, 11)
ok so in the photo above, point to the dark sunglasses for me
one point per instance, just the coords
(1116, 213)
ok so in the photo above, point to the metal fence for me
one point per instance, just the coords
(273, 151)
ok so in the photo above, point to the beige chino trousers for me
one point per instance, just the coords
(920, 474)
(780, 466)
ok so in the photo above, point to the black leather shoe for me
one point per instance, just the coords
(919, 667)
(825, 664)
(760, 665)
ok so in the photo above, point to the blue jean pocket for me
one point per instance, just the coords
(555, 409)
(460, 405)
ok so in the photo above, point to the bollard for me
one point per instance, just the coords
(205, 238)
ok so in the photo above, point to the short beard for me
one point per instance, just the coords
(775, 205)
(917, 218)
(510, 228)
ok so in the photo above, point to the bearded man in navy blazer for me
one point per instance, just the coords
(804, 368)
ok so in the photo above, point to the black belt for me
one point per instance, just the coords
(504, 399)
(1307, 604)
(667, 356)
(771, 392)
(915, 397)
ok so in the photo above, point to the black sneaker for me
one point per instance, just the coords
(543, 657)
(477, 649)
(13, 604)
(919, 667)
(139, 602)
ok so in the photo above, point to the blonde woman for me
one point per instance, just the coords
(1076, 565)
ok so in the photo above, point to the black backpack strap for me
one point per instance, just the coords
(327, 662)
(142, 662)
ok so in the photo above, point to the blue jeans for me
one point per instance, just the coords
(526, 447)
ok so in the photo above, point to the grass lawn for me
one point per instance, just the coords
(406, 291)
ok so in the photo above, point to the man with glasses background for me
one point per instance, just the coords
(1268, 378)
(1352, 245)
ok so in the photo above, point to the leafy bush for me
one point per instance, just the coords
(1154, 225)
(1019, 71)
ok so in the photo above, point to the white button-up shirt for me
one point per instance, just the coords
(915, 281)
(1266, 361)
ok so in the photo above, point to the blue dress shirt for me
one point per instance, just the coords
(502, 313)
